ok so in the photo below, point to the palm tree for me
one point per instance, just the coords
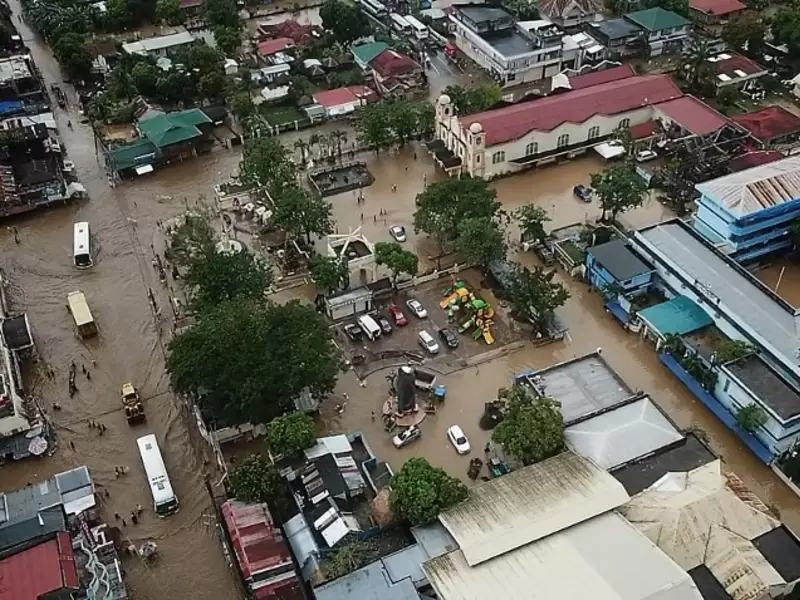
(695, 65)
(337, 138)
(314, 140)
(303, 146)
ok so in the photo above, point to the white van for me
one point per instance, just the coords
(79, 309)
(427, 341)
(82, 246)
(369, 327)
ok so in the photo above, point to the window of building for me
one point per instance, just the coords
(594, 132)
(478, 158)
(625, 123)
(727, 385)
(563, 140)
(511, 77)
(531, 149)
(498, 157)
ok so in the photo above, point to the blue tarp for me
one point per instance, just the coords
(10, 106)
(722, 413)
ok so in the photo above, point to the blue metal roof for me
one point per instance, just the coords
(678, 316)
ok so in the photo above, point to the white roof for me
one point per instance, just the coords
(622, 434)
(607, 150)
(696, 519)
(529, 504)
(604, 558)
(332, 444)
(755, 189)
(158, 43)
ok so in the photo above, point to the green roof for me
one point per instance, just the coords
(134, 154)
(366, 52)
(165, 129)
(656, 19)
(678, 316)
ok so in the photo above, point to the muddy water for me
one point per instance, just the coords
(782, 277)
(127, 349)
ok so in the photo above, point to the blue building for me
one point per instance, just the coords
(748, 214)
(614, 264)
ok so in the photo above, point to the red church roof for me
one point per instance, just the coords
(769, 123)
(718, 8)
(44, 568)
(576, 106)
(578, 82)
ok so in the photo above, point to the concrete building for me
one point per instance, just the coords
(344, 101)
(359, 253)
(396, 74)
(665, 32)
(748, 214)
(512, 53)
(570, 14)
(622, 38)
(735, 70)
(712, 15)
(614, 264)
(514, 138)
(160, 45)
(772, 127)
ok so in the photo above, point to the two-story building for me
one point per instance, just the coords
(397, 74)
(621, 37)
(772, 127)
(712, 15)
(570, 14)
(734, 70)
(748, 214)
(664, 31)
(512, 53)
(513, 138)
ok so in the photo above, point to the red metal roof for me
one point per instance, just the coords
(754, 159)
(268, 47)
(769, 123)
(717, 7)
(345, 95)
(390, 63)
(38, 570)
(693, 115)
(645, 130)
(297, 32)
(261, 549)
(737, 62)
(576, 106)
(597, 77)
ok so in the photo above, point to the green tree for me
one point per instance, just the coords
(403, 119)
(247, 361)
(221, 13)
(746, 33)
(680, 7)
(523, 10)
(255, 479)
(785, 28)
(345, 21)
(396, 259)
(302, 213)
(117, 15)
(728, 350)
(426, 119)
(329, 273)
(751, 417)
(619, 188)
(292, 433)
(72, 53)
(220, 276)
(265, 162)
(532, 219)
(534, 296)
(727, 98)
(169, 12)
(337, 138)
(532, 428)
(374, 125)
(480, 241)
(348, 557)
(144, 76)
(191, 239)
(695, 68)
(421, 491)
(299, 86)
(467, 101)
(445, 204)
(242, 104)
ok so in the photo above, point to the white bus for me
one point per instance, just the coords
(82, 246)
(419, 28)
(400, 24)
(165, 502)
(375, 8)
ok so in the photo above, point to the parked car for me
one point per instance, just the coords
(416, 308)
(353, 331)
(397, 316)
(385, 325)
(645, 156)
(449, 338)
(583, 192)
(405, 437)
(427, 341)
(398, 232)
(458, 439)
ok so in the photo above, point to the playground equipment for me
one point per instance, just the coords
(457, 298)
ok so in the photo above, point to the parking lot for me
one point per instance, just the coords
(405, 339)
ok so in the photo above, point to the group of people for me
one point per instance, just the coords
(136, 514)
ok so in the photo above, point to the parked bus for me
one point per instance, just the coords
(79, 309)
(82, 246)
(420, 29)
(165, 502)
(400, 24)
(374, 8)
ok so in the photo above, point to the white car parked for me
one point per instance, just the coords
(458, 439)
(415, 306)
(398, 232)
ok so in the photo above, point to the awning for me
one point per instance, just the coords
(144, 169)
(434, 145)
(615, 309)
(607, 150)
(447, 159)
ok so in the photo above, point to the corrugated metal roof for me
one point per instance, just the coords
(622, 434)
(755, 189)
(604, 558)
(529, 504)
(368, 583)
(696, 519)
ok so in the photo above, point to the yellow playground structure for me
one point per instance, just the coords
(458, 298)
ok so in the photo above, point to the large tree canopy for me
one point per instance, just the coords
(481, 241)
(292, 433)
(619, 188)
(534, 296)
(219, 276)
(396, 259)
(345, 22)
(247, 361)
(532, 428)
(267, 163)
(467, 101)
(421, 491)
(255, 479)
